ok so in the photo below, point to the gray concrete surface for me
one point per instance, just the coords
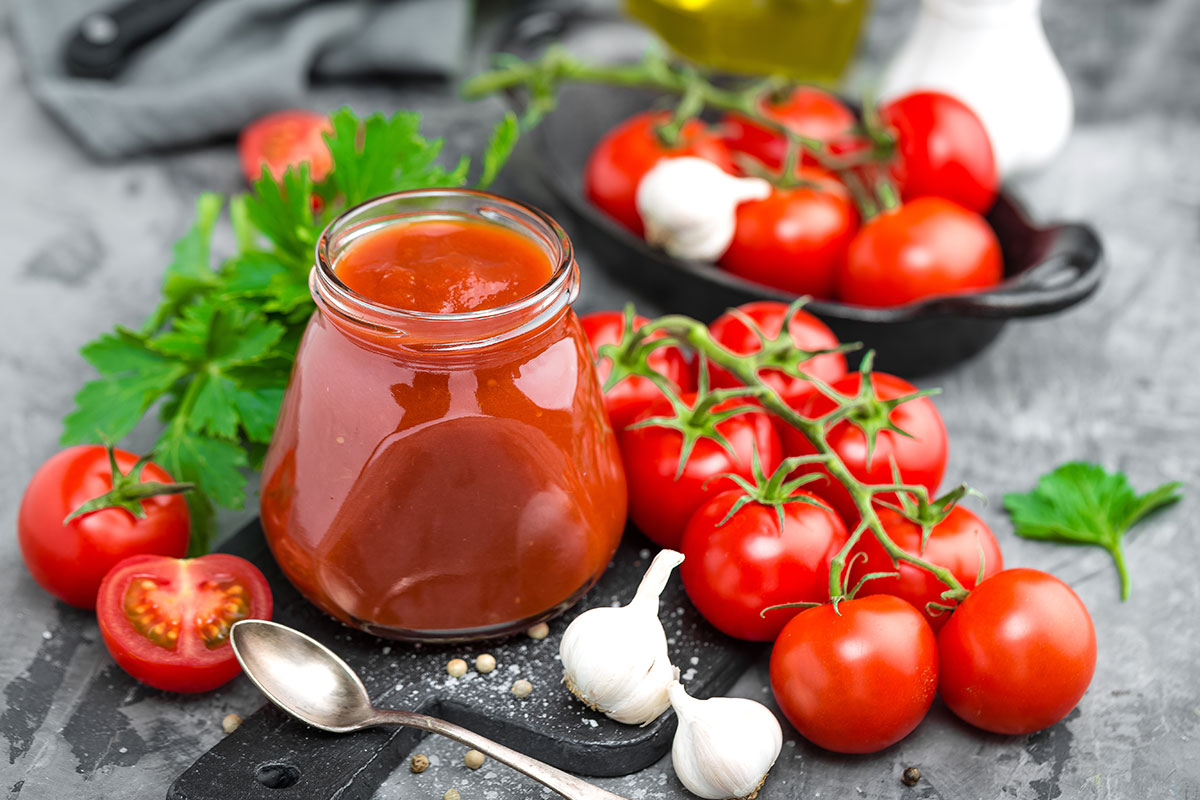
(1114, 381)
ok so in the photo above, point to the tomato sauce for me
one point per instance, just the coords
(431, 493)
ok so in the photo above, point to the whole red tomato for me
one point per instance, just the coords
(858, 682)
(920, 457)
(69, 559)
(635, 392)
(796, 238)
(1018, 654)
(626, 153)
(808, 111)
(956, 543)
(285, 139)
(926, 247)
(660, 503)
(943, 150)
(166, 621)
(808, 333)
(737, 567)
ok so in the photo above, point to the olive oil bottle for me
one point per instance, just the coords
(809, 40)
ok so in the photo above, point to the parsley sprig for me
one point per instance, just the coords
(215, 355)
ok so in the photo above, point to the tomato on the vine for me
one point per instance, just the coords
(1018, 653)
(736, 567)
(807, 332)
(626, 153)
(919, 458)
(959, 542)
(807, 111)
(660, 503)
(166, 621)
(635, 392)
(796, 238)
(928, 246)
(69, 558)
(859, 679)
(942, 150)
(285, 139)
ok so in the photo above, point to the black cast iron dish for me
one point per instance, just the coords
(1047, 269)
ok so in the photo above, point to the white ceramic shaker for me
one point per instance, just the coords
(992, 55)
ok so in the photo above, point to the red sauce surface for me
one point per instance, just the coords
(425, 494)
(444, 266)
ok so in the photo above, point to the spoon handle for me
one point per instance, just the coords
(564, 783)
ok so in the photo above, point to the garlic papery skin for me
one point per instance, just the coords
(615, 659)
(724, 747)
(689, 206)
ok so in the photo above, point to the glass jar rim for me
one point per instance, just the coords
(332, 293)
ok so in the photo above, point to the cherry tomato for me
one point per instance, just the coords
(737, 567)
(660, 504)
(628, 151)
(926, 247)
(166, 620)
(943, 150)
(808, 333)
(69, 559)
(858, 682)
(1017, 654)
(633, 394)
(920, 458)
(956, 543)
(795, 239)
(808, 111)
(285, 139)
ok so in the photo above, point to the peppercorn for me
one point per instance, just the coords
(452, 794)
(418, 764)
(456, 667)
(474, 759)
(522, 689)
(911, 776)
(231, 723)
(485, 663)
(538, 632)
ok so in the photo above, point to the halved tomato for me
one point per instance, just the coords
(285, 139)
(166, 621)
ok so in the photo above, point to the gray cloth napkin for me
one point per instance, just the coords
(229, 61)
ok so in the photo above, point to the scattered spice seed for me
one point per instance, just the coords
(522, 689)
(452, 794)
(456, 667)
(231, 723)
(910, 776)
(485, 663)
(538, 632)
(474, 759)
(418, 763)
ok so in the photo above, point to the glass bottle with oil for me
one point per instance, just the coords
(809, 40)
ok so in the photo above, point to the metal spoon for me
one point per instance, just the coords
(305, 679)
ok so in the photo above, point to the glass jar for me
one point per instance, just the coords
(438, 476)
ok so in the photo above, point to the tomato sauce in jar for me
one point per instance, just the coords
(443, 467)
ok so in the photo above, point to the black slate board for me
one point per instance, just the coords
(273, 756)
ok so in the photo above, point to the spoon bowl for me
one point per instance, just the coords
(302, 676)
(308, 680)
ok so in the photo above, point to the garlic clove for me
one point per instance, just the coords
(615, 659)
(689, 206)
(724, 747)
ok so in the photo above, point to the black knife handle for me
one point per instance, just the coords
(104, 40)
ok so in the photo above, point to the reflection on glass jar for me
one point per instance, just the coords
(443, 474)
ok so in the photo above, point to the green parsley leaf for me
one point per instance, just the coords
(499, 148)
(1080, 503)
(190, 271)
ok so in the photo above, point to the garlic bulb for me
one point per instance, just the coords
(615, 659)
(724, 747)
(689, 206)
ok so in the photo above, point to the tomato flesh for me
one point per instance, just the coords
(166, 621)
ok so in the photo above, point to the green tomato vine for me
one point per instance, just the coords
(862, 410)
